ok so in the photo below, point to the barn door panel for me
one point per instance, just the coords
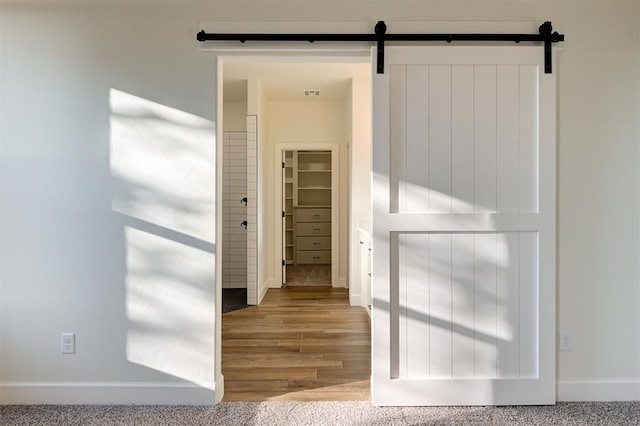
(464, 227)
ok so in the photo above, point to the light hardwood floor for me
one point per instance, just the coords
(300, 344)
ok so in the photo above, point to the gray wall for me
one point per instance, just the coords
(102, 236)
(108, 201)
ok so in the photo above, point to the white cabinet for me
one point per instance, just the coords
(365, 270)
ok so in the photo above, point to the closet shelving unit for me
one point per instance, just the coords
(312, 207)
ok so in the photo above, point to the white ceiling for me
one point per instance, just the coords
(287, 81)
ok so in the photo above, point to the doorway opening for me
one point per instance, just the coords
(319, 138)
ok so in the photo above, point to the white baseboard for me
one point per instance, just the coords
(342, 283)
(273, 284)
(219, 388)
(598, 390)
(355, 299)
(263, 290)
(92, 393)
(98, 393)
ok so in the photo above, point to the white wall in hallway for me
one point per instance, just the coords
(309, 122)
(257, 117)
(235, 116)
(360, 206)
(300, 122)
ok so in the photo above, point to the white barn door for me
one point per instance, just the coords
(464, 227)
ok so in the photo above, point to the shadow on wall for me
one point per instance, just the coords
(162, 164)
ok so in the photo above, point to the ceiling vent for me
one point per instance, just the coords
(311, 93)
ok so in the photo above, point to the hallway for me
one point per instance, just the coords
(300, 344)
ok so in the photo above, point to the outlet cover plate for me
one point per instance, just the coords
(68, 343)
(565, 342)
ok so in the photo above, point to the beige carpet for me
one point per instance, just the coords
(308, 275)
(322, 413)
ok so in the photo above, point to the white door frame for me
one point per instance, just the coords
(336, 208)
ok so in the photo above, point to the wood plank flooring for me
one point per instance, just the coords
(300, 344)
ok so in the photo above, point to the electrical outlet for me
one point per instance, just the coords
(565, 342)
(68, 342)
